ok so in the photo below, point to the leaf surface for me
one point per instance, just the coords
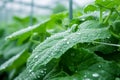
(59, 43)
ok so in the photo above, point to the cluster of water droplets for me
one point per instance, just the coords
(38, 74)
(95, 75)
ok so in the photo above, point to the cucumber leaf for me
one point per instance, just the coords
(90, 8)
(108, 3)
(43, 27)
(58, 44)
(86, 65)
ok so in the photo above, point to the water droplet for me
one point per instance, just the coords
(86, 79)
(38, 76)
(36, 56)
(76, 71)
(33, 74)
(99, 66)
(85, 76)
(30, 71)
(52, 54)
(78, 33)
(41, 71)
(68, 42)
(82, 19)
(75, 79)
(71, 37)
(108, 37)
(64, 39)
(95, 75)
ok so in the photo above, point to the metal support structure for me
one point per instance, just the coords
(31, 13)
(70, 9)
(5, 14)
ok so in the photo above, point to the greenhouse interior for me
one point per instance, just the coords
(59, 39)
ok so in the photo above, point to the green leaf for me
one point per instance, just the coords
(87, 65)
(107, 3)
(90, 16)
(78, 59)
(15, 61)
(53, 24)
(1, 32)
(90, 24)
(116, 27)
(88, 75)
(38, 73)
(90, 8)
(101, 70)
(24, 20)
(63, 43)
(59, 43)
(10, 49)
(29, 30)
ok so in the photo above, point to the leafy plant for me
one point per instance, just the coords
(85, 48)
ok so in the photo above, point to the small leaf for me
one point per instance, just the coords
(90, 8)
(107, 3)
(43, 27)
(29, 30)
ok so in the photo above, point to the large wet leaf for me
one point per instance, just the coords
(58, 44)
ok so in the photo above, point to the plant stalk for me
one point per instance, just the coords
(107, 18)
(101, 19)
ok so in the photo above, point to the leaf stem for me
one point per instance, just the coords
(100, 19)
(107, 18)
(117, 12)
(109, 44)
(34, 41)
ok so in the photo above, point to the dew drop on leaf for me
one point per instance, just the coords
(85, 76)
(36, 56)
(41, 71)
(75, 79)
(95, 75)
(68, 42)
(82, 19)
(87, 79)
(99, 66)
(76, 71)
(78, 33)
(30, 71)
(64, 39)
